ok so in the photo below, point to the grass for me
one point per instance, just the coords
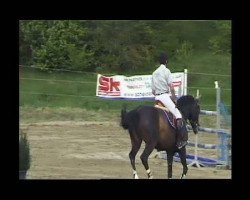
(45, 114)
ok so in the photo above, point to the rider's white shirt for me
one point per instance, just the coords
(161, 80)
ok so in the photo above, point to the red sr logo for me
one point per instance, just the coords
(107, 84)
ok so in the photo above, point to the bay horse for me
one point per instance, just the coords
(149, 124)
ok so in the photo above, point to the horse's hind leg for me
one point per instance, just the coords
(144, 158)
(170, 157)
(182, 154)
(136, 144)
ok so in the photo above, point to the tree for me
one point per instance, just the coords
(120, 45)
(221, 42)
(55, 43)
(185, 51)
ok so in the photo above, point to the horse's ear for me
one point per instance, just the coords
(197, 99)
(124, 107)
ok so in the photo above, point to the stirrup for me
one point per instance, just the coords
(182, 144)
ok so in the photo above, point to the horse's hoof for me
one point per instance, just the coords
(183, 176)
(136, 176)
(151, 177)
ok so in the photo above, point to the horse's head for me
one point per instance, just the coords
(190, 109)
(194, 116)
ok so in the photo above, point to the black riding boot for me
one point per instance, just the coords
(182, 135)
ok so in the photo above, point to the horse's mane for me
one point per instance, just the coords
(186, 100)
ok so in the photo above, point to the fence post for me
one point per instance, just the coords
(217, 104)
(219, 149)
(185, 81)
(224, 137)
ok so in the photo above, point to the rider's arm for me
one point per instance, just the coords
(173, 96)
(152, 86)
(171, 87)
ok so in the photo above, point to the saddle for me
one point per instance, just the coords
(170, 118)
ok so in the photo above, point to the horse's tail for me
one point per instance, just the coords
(124, 118)
(129, 120)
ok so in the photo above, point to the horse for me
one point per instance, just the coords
(148, 124)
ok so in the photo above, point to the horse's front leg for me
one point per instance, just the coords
(183, 156)
(170, 157)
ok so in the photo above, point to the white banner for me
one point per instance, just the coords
(133, 87)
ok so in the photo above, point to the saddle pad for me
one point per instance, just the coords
(170, 118)
(168, 115)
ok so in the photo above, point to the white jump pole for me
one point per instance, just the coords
(217, 104)
(218, 111)
(185, 81)
(196, 161)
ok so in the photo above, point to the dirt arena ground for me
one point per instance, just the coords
(99, 150)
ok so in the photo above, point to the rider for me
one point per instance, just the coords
(162, 88)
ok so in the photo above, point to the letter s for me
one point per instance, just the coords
(104, 83)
